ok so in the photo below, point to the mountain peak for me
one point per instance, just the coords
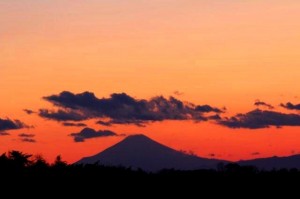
(137, 136)
(140, 142)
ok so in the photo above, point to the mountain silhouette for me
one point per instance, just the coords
(139, 151)
(274, 162)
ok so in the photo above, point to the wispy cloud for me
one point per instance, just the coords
(4, 134)
(259, 103)
(25, 135)
(30, 140)
(28, 111)
(291, 106)
(71, 124)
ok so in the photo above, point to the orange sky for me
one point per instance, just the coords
(223, 53)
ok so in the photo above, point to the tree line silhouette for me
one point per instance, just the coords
(24, 169)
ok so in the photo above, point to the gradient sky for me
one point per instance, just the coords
(225, 53)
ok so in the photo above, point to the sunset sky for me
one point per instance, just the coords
(71, 64)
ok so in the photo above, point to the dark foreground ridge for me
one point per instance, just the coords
(22, 173)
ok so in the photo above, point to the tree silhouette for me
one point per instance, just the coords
(4, 162)
(59, 163)
(39, 162)
(19, 159)
(24, 169)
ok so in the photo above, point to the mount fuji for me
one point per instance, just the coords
(139, 151)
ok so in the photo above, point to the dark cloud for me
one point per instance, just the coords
(260, 103)
(88, 133)
(8, 124)
(25, 135)
(74, 124)
(261, 119)
(291, 106)
(122, 109)
(214, 117)
(28, 140)
(207, 109)
(4, 133)
(62, 115)
(112, 122)
(104, 123)
(28, 111)
(255, 153)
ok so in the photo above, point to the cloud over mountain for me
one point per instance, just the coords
(121, 108)
(261, 119)
(207, 109)
(89, 133)
(62, 115)
(74, 124)
(112, 122)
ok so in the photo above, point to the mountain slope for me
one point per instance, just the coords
(139, 151)
(274, 162)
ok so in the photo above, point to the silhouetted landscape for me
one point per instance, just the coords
(149, 98)
(141, 152)
(140, 156)
(23, 170)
